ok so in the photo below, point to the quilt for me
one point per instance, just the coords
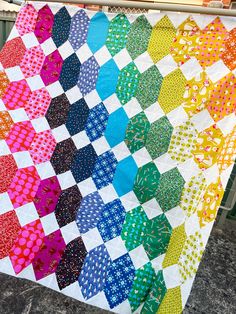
(117, 138)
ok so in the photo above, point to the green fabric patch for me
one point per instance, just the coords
(136, 132)
(146, 182)
(142, 284)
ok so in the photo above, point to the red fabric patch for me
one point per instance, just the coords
(12, 53)
(8, 170)
(16, 95)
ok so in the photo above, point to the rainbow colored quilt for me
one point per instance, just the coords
(117, 138)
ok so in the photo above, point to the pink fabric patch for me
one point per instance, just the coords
(42, 146)
(20, 136)
(44, 24)
(32, 61)
(38, 103)
(12, 53)
(26, 19)
(16, 94)
(49, 255)
(26, 245)
(51, 69)
(24, 186)
(47, 196)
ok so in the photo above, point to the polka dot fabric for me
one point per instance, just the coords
(117, 138)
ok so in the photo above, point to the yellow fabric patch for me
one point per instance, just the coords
(171, 303)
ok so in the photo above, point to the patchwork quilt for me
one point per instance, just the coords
(117, 138)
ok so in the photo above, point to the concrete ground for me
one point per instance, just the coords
(214, 290)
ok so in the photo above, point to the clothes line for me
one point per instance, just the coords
(152, 6)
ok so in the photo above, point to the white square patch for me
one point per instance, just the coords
(108, 194)
(165, 163)
(23, 159)
(152, 208)
(87, 187)
(4, 149)
(192, 224)
(55, 89)
(188, 169)
(122, 58)
(66, 180)
(202, 120)
(166, 65)
(18, 115)
(177, 116)
(141, 157)
(27, 213)
(143, 62)
(5, 203)
(121, 151)
(45, 170)
(40, 124)
(171, 276)
(70, 232)
(132, 108)
(14, 74)
(227, 124)
(101, 145)
(49, 223)
(35, 82)
(92, 99)
(84, 53)
(191, 68)
(66, 50)
(102, 55)
(112, 103)
(73, 94)
(154, 112)
(129, 201)
(139, 257)
(48, 46)
(217, 71)
(116, 248)
(61, 133)
(176, 216)
(30, 40)
(2, 105)
(92, 239)
(80, 139)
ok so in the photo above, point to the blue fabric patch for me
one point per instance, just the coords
(93, 275)
(77, 117)
(119, 280)
(88, 76)
(111, 221)
(97, 32)
(125, 174)
(83, 164)
(104, 169)
(70, 72)
(89, 212)
(107, 79)
(116, 127)
(61, 27)
(97, 121)
(78, 29)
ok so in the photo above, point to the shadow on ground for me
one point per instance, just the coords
(214, 289)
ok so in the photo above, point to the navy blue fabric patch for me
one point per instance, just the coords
(97, 121)
(119, 280)
(111, 221)
(83, 164)
(104, 169)
(77, 117)
(61, 27)
(70, 72)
